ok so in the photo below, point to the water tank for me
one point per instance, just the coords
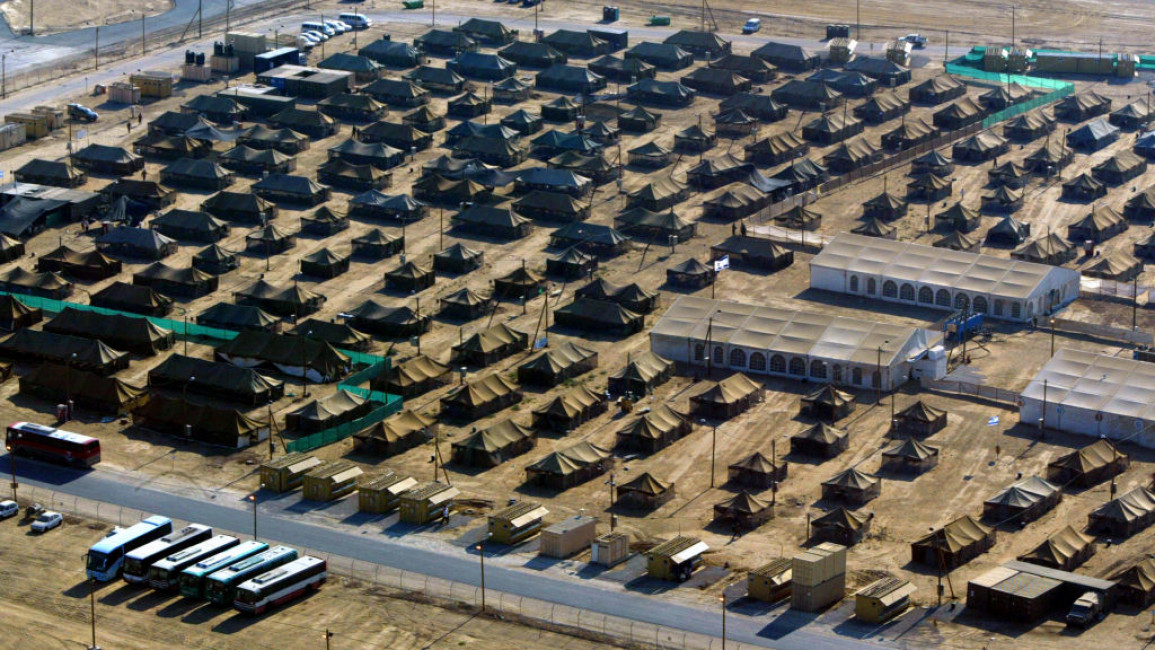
(229, 50)
(200, 58)
(218, 48)
(189, 57)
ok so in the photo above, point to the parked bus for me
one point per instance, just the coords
(51, 444)
(281, 585)
(194, 578)
(138, 562)
(106, 557)
(165, 574)
(221, 586)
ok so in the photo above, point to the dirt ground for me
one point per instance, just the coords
(64, 15)
(46, 605)
(968, 473)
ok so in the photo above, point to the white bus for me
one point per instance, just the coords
(165, 574)
(281, 585)
(138, 562)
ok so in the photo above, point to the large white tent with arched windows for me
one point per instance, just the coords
(942, 278)
(786, 342)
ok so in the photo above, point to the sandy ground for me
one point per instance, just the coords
(968, 474)
(65, 15)
(46, 605)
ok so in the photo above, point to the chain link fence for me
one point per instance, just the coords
(397, 583)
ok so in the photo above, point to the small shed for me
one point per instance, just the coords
(821, 440)
(645, 492)
(382, 494)
(727, 398)
(909, 456)
(841, 526)
(569, 536)
(331, 481)
(882, 600)
(517, 522)
(428, 502)
(610, 549)
(770, 582)
(828, 403)
(920, 419)
(758, 471)
(852, 487)
(287, 472)
(675, 559)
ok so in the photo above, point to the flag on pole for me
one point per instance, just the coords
(993, 421)
(723, 263)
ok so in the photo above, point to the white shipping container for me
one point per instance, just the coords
(12, 135)
(248, 42)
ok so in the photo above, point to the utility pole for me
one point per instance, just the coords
(858, 20)
(12, 465)
(200, 19)
(92, 611)
(228, 18)
(96, 50)
(1012, 26)
(433, 19)
(4, 78)
(143, 43)
(32, 18)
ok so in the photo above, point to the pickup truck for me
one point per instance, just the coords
(1086, 610)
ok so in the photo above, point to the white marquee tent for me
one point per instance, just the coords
(789, 343)
(1094, 395)
(942, 278)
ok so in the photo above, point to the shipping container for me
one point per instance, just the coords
(224, 64)
(198, 73)
(569, 536)
(55, 115)
(610, 549)
(287, 472)
(819, 564)
(247, 42)
(275, 59)
(331, 481)
(517, 522)
(153, 83)
(35, 126)
(382, 494)
(120, 92)
(812, 598)
(12, 135)
(428, 502)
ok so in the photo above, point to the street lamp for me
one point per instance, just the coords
(328, 635)
(1052, 337)
(92, 611)
(304, 362)
(253, 499)
(723, 599)
(713, 449)
(184, 406)
(481, 556)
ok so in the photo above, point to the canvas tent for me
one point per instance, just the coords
(920, 419)
(569, 79)
(128, 333)
(571, 264)
(828, 403)
(646, 491)
(138, 243)
(640, 223)
(294, 301)
(852, 487)
(216, 260)
(841, 526)
(595, 315)
(980, 147)
(397, 92)
(882, 107)
(28, 345)
(413, 377)
(494, 445)
(464, 304)
(557, 364)
(744, 511)
(296, 356)
(937, 90)
(807, 95)
(286, 141)
(240, 206)
(490, 345)
(58, 173)
(1077, 108)
(622, 70)
(758, 471)
(1051, 249)
(389, 322)
(650, 432)
(570, 466)
(909, 456)
(953, 545)
(727, 398)
(184, 282)
(1023, 502)
(1063, 551)
(1093, 135)
(87, 390)
(911, 134)
(191, 225)
(228, 316)
(396, 434)
(458, 258)
(762, 107)
(662, 56)
(15, 314)
(821, 440)
(533, 55)
(479, 398)
(199, 174)
(203, 422)
(320, 414)
(1125, 515)
(89, 265)
(131, 298)
(290, 188)
(569, 410)
(577, 44)
(105, 159)
(788, 57)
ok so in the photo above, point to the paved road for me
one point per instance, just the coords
(783, 634)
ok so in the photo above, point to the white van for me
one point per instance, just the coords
(752, 25)
(356, 21)
(318, 27)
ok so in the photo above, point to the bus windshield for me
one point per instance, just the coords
(97, 561)
(248, 596)
(133, 566)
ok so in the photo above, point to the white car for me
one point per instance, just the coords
(305, 43)
(752, 25)
(317, 37)
(337, 26)
(310, 37)
(8, 509)
(47, 522)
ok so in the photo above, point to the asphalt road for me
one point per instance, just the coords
(784, 633)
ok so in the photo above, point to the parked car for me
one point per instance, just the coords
(337, 26)
(1086, 610)
(8, 509)
(80, 113)
(316, 36)
(47, 522)
(305, 43)
(917, 40)
(752, 25)
(356, 21)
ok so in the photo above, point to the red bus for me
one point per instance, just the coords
(52, 444)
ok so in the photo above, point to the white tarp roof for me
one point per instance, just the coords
(937, 267)
(792, 332)
(1095, 382)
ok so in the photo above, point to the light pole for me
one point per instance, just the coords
(184, 406)
(92, 611)
(613, 517)
(713, 449)
(481, 556)
(12, 465)
(1052, 337)
(723, 599)
(253, 498)
(304, 362)
(328, 635)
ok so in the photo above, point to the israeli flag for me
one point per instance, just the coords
(993, 421)
(723, 263)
